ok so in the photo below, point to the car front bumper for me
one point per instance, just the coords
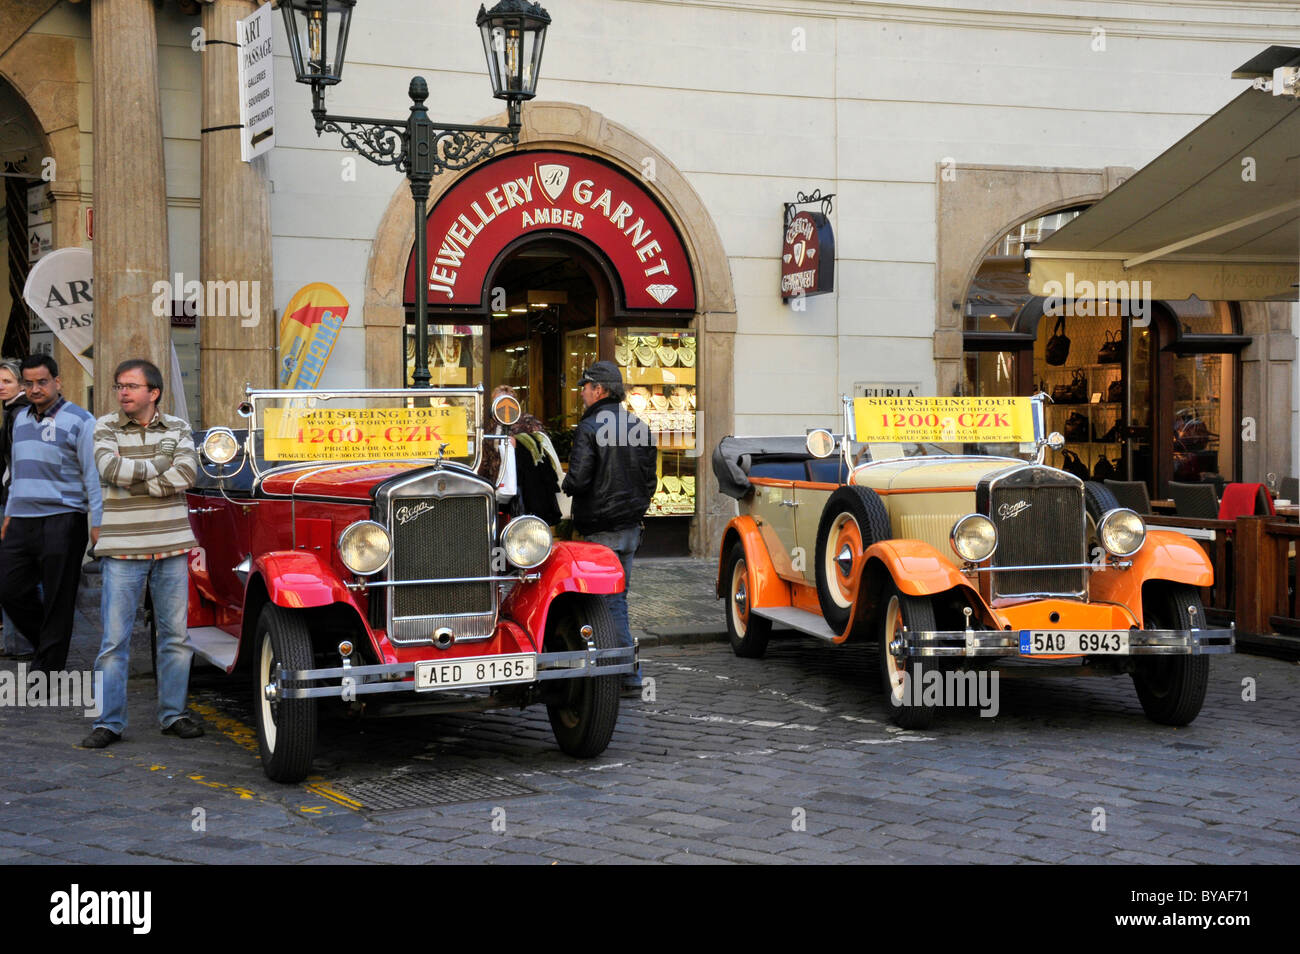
(976, 642)
(590, 663)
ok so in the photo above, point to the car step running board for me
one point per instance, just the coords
(802, 620)
(215, 645)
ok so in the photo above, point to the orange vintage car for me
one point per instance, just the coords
(957, 554)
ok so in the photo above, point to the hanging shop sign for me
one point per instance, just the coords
(308, 330)
(529, 192)
(256, 84)
(807, 249)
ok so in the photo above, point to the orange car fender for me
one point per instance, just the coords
(918, 569)
(1166, 555)
(765, 587)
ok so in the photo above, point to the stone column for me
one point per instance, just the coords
(130, 193)
(235, 231)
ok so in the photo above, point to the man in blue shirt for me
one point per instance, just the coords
(55, 483)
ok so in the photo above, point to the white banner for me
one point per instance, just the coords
(256, 89)
(59, 290)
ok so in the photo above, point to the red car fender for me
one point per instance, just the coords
(571, 568)
(296, 579)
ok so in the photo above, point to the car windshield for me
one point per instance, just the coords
(879, 451)
(354, 425)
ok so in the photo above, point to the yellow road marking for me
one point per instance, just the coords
(242, 735)
(324, 790)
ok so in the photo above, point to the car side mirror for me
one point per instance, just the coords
(820, 442)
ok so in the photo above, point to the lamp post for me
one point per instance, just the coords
(513, 31)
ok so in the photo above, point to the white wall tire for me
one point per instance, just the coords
(286, 728)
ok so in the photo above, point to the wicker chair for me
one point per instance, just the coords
(1194, 500)
(1131, 494)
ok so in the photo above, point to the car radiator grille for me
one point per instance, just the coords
(449, 538)
(1039, 518)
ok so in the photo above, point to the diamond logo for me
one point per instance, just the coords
(661, 293)
(553, 177)
(786, 258)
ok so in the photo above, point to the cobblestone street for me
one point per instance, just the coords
(787, 759)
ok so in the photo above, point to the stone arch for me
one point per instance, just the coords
(42, 69)
(575, 128)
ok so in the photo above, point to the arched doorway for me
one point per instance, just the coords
(651, 309)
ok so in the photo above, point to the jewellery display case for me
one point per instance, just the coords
(455, 355)
(658, 367)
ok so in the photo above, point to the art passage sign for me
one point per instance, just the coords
(256, 84)
(364, 433)
(59, 289)
(945, 420)
(807, 256)
(531, 192)
(308, 330)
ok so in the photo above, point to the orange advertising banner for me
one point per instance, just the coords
(308, 330)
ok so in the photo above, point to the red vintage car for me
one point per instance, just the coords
(347, 548)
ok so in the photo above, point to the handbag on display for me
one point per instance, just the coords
(1103, 469)
(1058, 346)
(1075, 392)
(1074, 465)
(1076, 428)
(1115, 392)
(1109, 352)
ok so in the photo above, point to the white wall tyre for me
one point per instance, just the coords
(1172, 688)
(854, 518)
(900, 675)
(583, 712)
(748, 633)
(286, 728)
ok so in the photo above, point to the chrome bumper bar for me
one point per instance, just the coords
(590, 663)
(988, 642)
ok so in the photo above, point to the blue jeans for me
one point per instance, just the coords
(624, 544)
(124, 586)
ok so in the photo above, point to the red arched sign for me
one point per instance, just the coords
(540, 191)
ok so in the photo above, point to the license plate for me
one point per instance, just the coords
(475, 671)
(1045, 642)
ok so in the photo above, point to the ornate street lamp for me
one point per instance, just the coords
(514, 32)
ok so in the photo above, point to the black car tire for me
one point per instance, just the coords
(916, 613)
(748, 633)
(1172, 688)
(286, 728)
(584, 711)
(855, 516)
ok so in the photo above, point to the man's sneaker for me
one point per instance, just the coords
(185, 727)
(99, 738)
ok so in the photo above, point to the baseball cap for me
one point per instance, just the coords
(602, 372)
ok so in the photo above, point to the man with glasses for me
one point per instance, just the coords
(146, 460)
(43, 538)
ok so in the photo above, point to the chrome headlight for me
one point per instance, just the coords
(974, 538)
(1122, 532)
(365, 547)
(220, 446)
(527, 542)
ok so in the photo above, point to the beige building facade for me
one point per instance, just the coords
(939, 128)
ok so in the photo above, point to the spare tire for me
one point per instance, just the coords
(854, 518)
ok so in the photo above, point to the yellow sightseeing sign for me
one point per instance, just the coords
(364, 433)
(944, 420)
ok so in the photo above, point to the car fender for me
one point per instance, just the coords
(917, 568)
(297, 579)
(767, 588)
(571, 568)
(1166, 555)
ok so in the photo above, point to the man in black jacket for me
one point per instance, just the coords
(611, 479)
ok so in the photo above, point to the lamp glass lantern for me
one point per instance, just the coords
(514, 32)
(318, 38)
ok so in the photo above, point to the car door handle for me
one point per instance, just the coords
(789, 503)
(205, 509)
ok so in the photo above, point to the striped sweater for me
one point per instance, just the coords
(145, 471)
(53, 464)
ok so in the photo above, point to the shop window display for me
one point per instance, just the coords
(658, 368)
(455, 355)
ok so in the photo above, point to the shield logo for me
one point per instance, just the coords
(798, 252)
(552, 177)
